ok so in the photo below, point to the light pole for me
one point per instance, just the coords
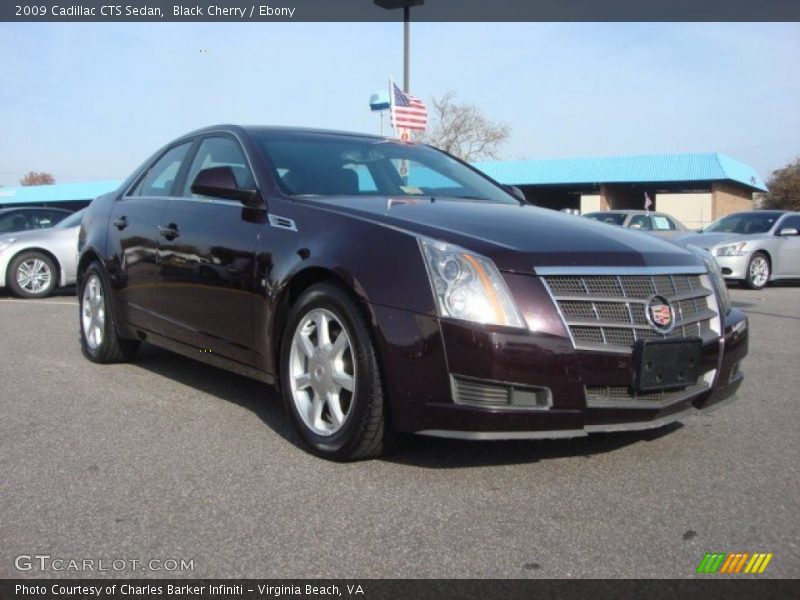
(406, 6)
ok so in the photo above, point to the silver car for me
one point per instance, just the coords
(657, 223)
(34, 263)
(753, 247)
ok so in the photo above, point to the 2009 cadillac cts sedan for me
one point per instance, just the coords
(388, 287)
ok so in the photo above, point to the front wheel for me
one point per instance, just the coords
(330, 377)
(32, 275)
(100, 341)
(758, 271)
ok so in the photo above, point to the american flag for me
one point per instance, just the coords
(407, 111)
(648, 204)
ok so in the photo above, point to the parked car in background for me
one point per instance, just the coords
(34, 263)
(660, 224)
(25, 218)
(753, 247)
(309, 259)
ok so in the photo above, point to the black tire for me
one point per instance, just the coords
(366, 431)
(46, 266)
(112, 348)
(749, 281)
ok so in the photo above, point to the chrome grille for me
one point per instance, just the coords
(607, 312)
(599, 396)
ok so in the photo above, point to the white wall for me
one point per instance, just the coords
(590, 202)
(693, 210)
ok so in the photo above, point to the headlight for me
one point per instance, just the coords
(717, 279)
(731, 249)
(6, 243)
(468, 286)
(719, 282)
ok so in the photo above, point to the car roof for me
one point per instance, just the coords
(284, 130)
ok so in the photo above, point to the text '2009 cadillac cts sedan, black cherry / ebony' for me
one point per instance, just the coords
(388, 287)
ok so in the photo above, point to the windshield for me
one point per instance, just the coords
(755, 222)
(336, 165)
(71, 221)
(607, 217)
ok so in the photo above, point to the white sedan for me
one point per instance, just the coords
(34, 263)
(753, 247)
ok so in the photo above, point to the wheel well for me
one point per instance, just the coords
(88, 257)
(47, 253)
(293, 290)
(765, 253)
(769, 260)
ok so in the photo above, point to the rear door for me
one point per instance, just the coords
(207, 259)
(133, 233)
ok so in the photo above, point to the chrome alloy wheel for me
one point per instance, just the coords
(322, 372)
(759, 271)
(93, 312)
(34, 275)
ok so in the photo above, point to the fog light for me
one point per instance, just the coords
(736, 372)
(492, 394)
(739, 328)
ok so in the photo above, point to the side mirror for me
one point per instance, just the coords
(786, 231)
(220, 182)
(517, 193)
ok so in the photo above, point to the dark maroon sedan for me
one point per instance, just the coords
(388, 287)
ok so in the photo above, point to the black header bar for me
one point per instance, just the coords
(368, 10)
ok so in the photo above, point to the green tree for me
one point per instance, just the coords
(784, 188)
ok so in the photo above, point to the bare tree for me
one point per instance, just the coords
(37, 178)
(463, 130)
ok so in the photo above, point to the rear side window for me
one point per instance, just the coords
(161, 176)
(220, 152)
(661, 223)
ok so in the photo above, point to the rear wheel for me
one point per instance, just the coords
(758, 271)
(100, 341)
(32, 275)
(330, 378)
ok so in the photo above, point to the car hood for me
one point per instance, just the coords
(517, 238)
(710, 240)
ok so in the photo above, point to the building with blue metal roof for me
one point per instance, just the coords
(65, 195)
(696, 188)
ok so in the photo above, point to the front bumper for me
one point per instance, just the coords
(733, 267)
(421, 354)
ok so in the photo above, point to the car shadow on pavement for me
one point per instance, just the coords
(253, 395)
(414, 450)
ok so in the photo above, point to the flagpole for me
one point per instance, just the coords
(392, 120)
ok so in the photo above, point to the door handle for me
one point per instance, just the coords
(121, 223)
(170, 231)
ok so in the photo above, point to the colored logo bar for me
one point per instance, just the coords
(734, 562)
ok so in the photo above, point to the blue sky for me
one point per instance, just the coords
(91, 101)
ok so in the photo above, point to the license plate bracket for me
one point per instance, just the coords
(666, 364)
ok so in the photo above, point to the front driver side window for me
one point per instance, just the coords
(161, 176)
(220, 152)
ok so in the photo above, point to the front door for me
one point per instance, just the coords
(207, 260)
(787, 263)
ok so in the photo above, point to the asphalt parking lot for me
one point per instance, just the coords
(170, 459)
